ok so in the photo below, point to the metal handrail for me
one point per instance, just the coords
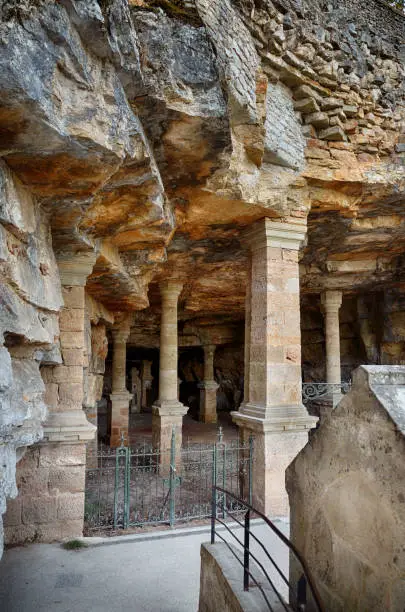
(305, 579)
(314, 391)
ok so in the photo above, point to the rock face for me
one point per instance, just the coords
(346, 491)
(143, 136)
(30, 299)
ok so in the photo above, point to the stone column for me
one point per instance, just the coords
(272, 410)
(168, 412)
(56, 468)
(208, 388)
(120, 396)
(147, 379)
(331, 303)
(93, 382)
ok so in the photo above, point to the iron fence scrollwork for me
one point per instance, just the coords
(132, 487)
(323, 391)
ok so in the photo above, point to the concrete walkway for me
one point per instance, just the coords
(158, 573)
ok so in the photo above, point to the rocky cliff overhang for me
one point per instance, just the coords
(154, 132)
(149, 134)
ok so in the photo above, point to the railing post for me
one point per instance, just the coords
(213, 513)
(172, 484)
(246, 555)
(224, 481)
(127, 477)
(302, 593)
(250, 469)
(116, 480)
(214, 466)
(120, 452)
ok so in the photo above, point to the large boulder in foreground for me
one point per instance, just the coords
(347, 496)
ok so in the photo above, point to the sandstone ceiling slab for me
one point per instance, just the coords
(212, 147)
(69, 131)
(58, 106)
(169, 127)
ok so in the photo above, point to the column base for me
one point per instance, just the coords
(281, 417)
(208, 401)
(68, 427)
(119, 418)
(278, 438)
(166, 416)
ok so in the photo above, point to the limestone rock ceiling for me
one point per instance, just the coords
(155, 132)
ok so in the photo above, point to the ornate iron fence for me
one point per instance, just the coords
(131, 487)
(323, 391)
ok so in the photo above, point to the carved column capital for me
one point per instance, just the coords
(331, 301)
(120, 336)
(74, 268)
(269, 233)
(170, 290)
(209, 350)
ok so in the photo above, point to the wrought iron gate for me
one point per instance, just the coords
(131, 487)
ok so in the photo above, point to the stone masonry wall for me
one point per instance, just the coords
(221, 584)
(341, 61)
(50, 501)
(347, 496)
(51, 475)
(97, 319)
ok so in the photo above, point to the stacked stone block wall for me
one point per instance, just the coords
(96, 321)
(342, 63)
(51, 475)
(50, 501)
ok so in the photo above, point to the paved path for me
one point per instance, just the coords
(138, 575)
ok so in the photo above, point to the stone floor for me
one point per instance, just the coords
(142, 574)
(140, 429)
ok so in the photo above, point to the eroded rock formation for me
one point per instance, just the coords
(139, 139)
(347, 496)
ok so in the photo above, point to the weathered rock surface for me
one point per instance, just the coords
(148, 134)
(346, 491)
(30, 299)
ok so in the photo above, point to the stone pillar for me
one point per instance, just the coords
(272, 410)
(120, 396)
(208, 388)
(136, 391)
(54, 471)
(331, 303)
(168, 412)
(147, 379)
(93, 382)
